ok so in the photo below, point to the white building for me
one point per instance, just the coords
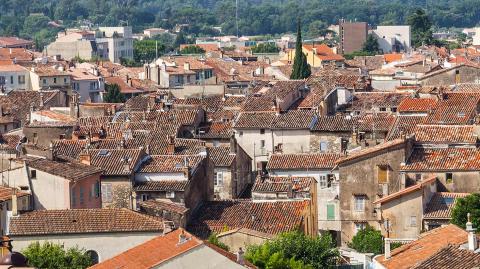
(14, 76)
(394, 38)
(476, 36)
(115, 43)
(88, 83)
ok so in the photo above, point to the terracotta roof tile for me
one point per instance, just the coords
(267, 217)
(404, 125)
(443, 159)
(441, 204)
(302, 161)
(163, 185)
(294, 119)
(74, 221)
(71, 171)
(455, 108)
(337, 123)
(417, 105)
(451, 257)
(116, 161)
(222, 156)
(170, 163)
(405, 191)
(446, 134)
(374, 149)
(163, 204)
(422, 249)
(255, 120)
(283, 184)
(369, 100)
(152, 253)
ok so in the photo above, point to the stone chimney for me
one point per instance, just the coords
(171, 145)
(86, 158)
(472, 237)
(240, 257)
(14, 202)
(182, 237)
(126, 164)
(186, 168)
(233, 145)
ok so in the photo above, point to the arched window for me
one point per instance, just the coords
(93, 256)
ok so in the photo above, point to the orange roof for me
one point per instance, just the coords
(12, 68)
(367, 151)
(417, 105)
(324, 52)
(152, 252)
(423, 248)
(392, 57)
(405, 191)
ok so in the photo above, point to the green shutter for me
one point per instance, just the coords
(330, 212)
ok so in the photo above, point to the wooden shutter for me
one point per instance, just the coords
(330, 212)
(382, 174)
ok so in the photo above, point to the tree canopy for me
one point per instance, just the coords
(192, 49)
(421, 28)
(301, 68)
(265, 48)
(113, 94)
(367, 240)
(371, 45)
(53, 256)
(463, 206)
(294, 250)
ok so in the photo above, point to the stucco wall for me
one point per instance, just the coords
(106, 245)
(240, 240)
(466, 74)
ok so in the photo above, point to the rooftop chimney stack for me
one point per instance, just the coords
(472, 237)
(86, 158)
(14, 203)
(171, 145)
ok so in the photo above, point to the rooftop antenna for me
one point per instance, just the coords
(236, 15)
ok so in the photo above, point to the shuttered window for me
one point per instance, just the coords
(107, 193)
(382, 174)
(330, 212)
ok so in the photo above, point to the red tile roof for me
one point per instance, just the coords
(170, 163)
(446, 134)
(115, 162)
(283, 184)
(75, 221)
(441, 204)
(7, 192)
(367, 151)
(153, 252)
(404, 125)
(221, 156)
(455, 108)
(425, 247)
(267, 217)
(443, 159)
(70, 171)
(302, 161)
(161, 186)
(451, 257)
(405, 191)
(6, 41)
(417, 105)
(324, 52)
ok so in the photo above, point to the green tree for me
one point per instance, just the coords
(213, 239)
(113, 94)
(463, 206)
(180, 39)
(421, 28)
(52, 256)
(368, 240)
(301, 68)
(265, 48)
(294, 250)
(147, 50)
(192, 49)
(371, 45)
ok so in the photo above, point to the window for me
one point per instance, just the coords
(323, 146)
(331, 212)
(383, 109)
(413, 221)
(96, 189)
(359, 203)
(21, 79)
(81, 195)
(218, 179)
(73, 197)
(323, 182)
(170, 194)
(418, 177)
(359, 226)
(55, 80)
(394, 109)
(262, 131)
(262, 144)
(145, 197)
(449, 178)
(382, 174)
(44, 81)
(240, 133)
(93, 256)
(2, 80)
(107, 193)
(33, 174)
(11, 80)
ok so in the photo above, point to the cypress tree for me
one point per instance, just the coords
(301, 69)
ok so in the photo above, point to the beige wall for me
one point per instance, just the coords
(106, 245)
(236, 240)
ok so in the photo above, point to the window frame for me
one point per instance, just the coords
(170, 194)
(357, 205)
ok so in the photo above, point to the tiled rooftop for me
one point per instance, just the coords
(300, 161)
(441, 204)
(443, 159)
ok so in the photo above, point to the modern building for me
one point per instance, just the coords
(114, 43)
(393, 38)
(352, 36)
(80, 44)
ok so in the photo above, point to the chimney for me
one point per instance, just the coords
(41, 100)
(182, 238)
(14, 202)
(472, 237)
(240, 257)
(147, 149)
(186, 168)
(233, 145)
(126, 164)
(186, 66)
(388, 255)
(171, 145)
(86, 158)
